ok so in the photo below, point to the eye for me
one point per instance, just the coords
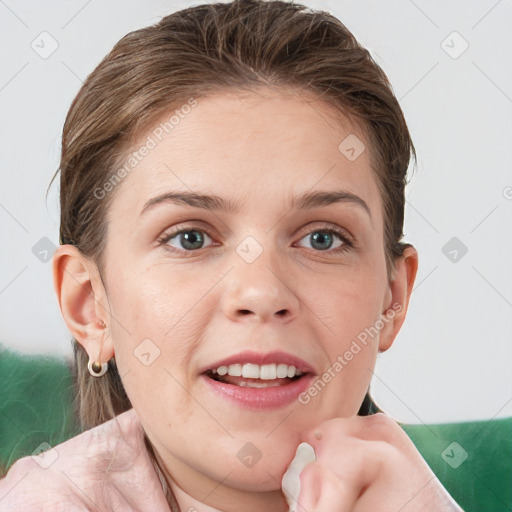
(323, 239)
(188, 239)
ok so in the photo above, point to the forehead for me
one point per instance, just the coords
(252, 146)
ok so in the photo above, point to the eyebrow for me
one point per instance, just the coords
(308, 200)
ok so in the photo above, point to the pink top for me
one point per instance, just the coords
(102, 469)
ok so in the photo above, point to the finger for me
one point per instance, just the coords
(379, 426)
(329, 439)
(323, 491)
(356, 462)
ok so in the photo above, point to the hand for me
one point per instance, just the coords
(103, 469)
(368, 463)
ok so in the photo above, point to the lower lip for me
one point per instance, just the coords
(260, 398)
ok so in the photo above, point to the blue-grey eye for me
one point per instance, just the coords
(190, 240)
(323, 239)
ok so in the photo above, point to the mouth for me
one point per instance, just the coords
(259, 381)
(254, 375)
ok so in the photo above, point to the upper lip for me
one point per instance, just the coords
(276, 356)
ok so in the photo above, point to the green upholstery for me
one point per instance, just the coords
(36, 404)
(473, 460)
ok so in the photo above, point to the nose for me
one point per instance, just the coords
(261, 290)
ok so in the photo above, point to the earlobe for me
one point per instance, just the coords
(399, 291)
(81, 297)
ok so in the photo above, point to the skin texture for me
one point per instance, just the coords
(206, 304)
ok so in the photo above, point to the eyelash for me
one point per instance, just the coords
(348, 242)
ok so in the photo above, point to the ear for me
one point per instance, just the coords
(397, 296)
(82, 301)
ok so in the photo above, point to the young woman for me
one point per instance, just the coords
(231, 263)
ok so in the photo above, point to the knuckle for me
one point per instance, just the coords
(383, 450)
(381, 426)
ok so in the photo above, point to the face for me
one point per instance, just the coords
(268, 281)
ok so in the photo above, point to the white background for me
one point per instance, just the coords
(451, 360)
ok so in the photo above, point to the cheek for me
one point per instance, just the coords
(156, 327)
(347, 302)
(349, 309)
(153, 304)
(340, 389)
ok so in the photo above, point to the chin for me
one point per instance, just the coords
(253, 469)
(259, 478)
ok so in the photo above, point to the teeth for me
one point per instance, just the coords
(256, 371)
(253, 384)
(251, 371)
(268, 372)
(222, 370)
(235, 370)
(282, 371)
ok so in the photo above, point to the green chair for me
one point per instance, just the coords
(473, 460)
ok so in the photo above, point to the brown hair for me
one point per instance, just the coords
(209, 48)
